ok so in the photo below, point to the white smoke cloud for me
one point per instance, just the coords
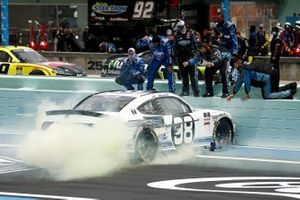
(72, 151)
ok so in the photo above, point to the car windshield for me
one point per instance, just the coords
(104, 103)
(29, 56)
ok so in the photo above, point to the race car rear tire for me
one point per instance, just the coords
(223, 132)
(37, 72)
(146, 146)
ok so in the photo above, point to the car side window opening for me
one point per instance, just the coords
(151, 108)
(4, 57)
(173, 106)
(29, 56)
(110, 103)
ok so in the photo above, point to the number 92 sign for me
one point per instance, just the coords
(143, 10)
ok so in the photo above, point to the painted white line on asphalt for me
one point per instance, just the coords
(10, 159)
(267, 148)
(249, 159)
(17, 170)
(42, 196)
(177, 184)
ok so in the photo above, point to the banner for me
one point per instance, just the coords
(4, 22)
(102, 11)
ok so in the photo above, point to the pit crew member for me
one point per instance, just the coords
(132, 71)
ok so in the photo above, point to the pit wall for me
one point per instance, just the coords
(289, 66)
(265, 123)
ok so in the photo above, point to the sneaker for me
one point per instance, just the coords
(224, 95)
(207, 94)
(184, 94)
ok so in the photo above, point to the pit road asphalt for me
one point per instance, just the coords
(131, 183)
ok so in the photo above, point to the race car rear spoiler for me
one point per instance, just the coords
(74, 112)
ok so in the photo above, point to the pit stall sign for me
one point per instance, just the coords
(103, 11)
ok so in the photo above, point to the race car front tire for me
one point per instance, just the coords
(146, 146)
(223, 132)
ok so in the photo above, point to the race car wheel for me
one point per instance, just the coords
(146, 146)
(223, 132)
(37, 72)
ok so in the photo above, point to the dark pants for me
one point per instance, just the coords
(188, 73)
(209, 74)
(275, 77)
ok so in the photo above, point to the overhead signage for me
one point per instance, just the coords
(103, 11)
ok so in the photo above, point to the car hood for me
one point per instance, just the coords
(54, 64)
(73, 68)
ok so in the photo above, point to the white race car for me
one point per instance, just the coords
(159, 120)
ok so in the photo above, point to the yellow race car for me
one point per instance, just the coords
(20, 60)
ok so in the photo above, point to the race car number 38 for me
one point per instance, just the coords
(183, 130)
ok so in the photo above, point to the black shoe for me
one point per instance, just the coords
(293, 87)
(289, 97)
(184, 94)
(207, 94)
(224, 95)
(151, 90)
(290, 86)
(196, 95)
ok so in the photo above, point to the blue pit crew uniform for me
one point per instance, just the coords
(131, 72)
(228, 40)
(247, 76)
(227, 31)
(161, 55)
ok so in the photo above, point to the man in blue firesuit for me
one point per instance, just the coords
(226, 32)
(161, 55)
(227, 38)
(248, 75)
(132, 71)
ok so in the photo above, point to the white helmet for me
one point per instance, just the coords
(180, 26)
(287, 24)
(131, 53)
(297, 24)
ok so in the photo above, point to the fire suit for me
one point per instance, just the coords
(132, 71)
(228, 38)
(161, 55)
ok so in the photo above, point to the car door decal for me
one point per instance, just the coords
(4, 67)
(183, 129)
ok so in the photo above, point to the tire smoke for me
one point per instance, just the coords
(74, 151)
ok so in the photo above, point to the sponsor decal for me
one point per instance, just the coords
(206, 114)
(106, 9)
(206, 123)
(288, 187)
(163, 137)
